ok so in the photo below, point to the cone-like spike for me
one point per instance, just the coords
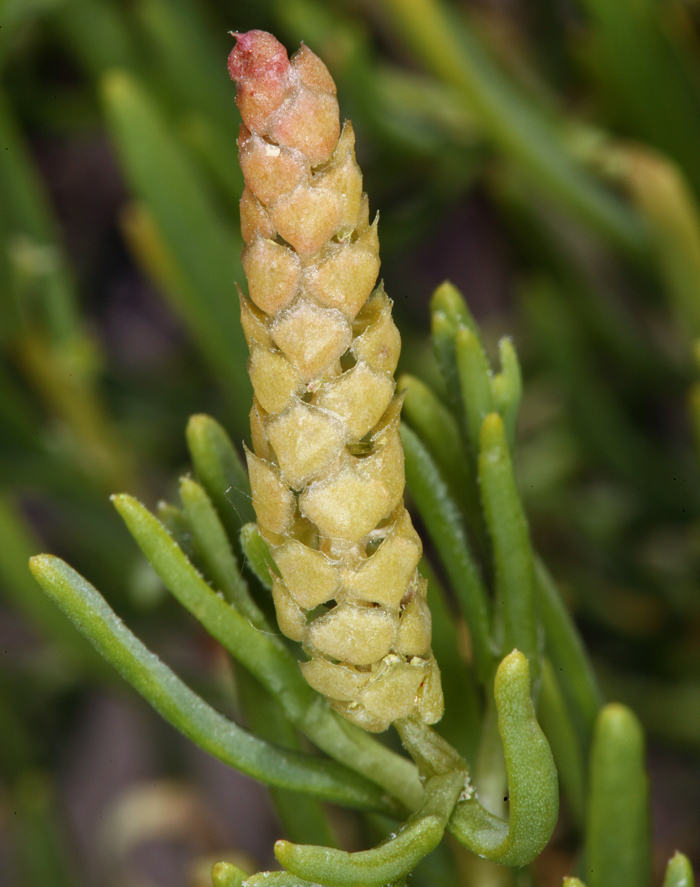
(327, 472)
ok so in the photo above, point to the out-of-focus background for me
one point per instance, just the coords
(543, 155)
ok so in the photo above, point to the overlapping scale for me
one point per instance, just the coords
(327, 469)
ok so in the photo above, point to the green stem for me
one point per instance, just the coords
(303, 818)
(461, 723)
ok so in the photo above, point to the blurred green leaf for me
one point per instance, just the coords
(618, 835)
(18, 586)
(40, 847)
(648, 80)
(445, 45)
(560, 730)
(565, 649)
(199, 271)
(100, 35)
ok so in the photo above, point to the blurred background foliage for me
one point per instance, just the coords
(544, 156)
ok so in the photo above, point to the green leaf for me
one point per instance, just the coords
(221, 473)
(507, 389)
(175, 522)
(679, 872)
(257, 554)
(262, 654)
(186, 711)
(226, 874)
(568, 656)
(266, 657)
(510, 538)
(532, 779)
(449, 313)
(229, 878)
(438, 430)
(474, 373)
(560, 730)
(618, 835)
(219, 560)
(388, 862)
(448, 300)
(444, 523)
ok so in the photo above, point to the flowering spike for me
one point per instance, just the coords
(327, 469)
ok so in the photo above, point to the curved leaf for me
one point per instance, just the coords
(388, 862)
(532, 779)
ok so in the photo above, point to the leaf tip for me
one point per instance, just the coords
(492, 435)
(283, 850)
(38, 563)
